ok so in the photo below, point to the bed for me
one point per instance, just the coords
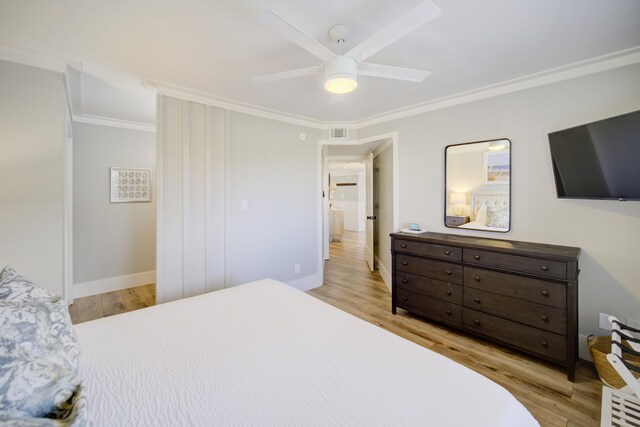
(489, 212)
(267, 354)
(257, 354)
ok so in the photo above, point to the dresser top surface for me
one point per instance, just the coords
(499, 245)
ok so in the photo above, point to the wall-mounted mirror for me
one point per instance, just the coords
(478, 185)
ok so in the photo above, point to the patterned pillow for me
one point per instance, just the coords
(38, 357)
(15, 288)
(498, 217)
(73, 414)
(32, 386)
(42, 329)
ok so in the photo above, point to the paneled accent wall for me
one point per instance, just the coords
(190, 199)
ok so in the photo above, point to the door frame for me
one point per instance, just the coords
(386, 139)
(67, 207)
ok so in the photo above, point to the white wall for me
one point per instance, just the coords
(278, 177)
(110, 239)
(31, 182)
(607, 231)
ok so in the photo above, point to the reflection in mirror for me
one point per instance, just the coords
(478, 185)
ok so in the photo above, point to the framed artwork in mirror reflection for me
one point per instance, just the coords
(496, 167)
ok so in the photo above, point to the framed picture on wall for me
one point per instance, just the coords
(496, 167)
(130, 185)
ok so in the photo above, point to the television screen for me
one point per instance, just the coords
(599, 160)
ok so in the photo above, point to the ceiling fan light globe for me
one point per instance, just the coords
(341, 85)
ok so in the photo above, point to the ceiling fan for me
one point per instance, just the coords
(341, 71)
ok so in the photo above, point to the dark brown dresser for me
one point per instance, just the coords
(523, 295)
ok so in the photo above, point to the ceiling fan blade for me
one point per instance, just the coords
(390, 72)
(287, 30)
(406, 23)
(265, 78)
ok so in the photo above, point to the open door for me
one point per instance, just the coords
(369, 211)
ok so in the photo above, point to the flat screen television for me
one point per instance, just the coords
(599, 160)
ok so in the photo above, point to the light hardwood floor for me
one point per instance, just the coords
(348, 285)
(103, 305)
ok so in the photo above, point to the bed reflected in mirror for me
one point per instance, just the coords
(478, 185)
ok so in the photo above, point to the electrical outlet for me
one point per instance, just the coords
(296, 268)
(603, 322)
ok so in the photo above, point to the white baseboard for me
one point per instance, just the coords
(110, 284)
(307, 283)
(384, 273)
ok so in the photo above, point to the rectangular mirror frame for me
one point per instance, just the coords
(446, 167)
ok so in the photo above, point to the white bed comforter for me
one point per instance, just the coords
(267, 354)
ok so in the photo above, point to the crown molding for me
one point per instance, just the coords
(56, 62)
(577, 69)
(105, 121)
(187, 94)
(36, 58)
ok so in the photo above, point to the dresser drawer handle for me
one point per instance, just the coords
(448, 272)
(447, 252)
(477, 322)
(448, 291)
(477, 278)
(405, 281)
(545, 293)
(403, 246)
(545, 318)
(404, 298)
(448, 312)
(477, 300)
(544, 268)
(476, 256)
(405, 263)
(544, 344)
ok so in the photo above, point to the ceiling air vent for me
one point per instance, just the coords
(339, 133)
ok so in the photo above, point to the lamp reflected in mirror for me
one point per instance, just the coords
(458, 202)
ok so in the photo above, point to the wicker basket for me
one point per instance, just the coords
(599, 348)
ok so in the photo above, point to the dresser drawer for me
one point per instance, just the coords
(530, 313)
(427, 249)
(547, 344)
(429, 268)
(537, 266)
(445, 291)
(526, 288)
(433, 308)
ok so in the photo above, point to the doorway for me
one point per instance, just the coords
(113, 228)
(360, 210)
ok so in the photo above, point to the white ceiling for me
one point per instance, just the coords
(216, 46)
